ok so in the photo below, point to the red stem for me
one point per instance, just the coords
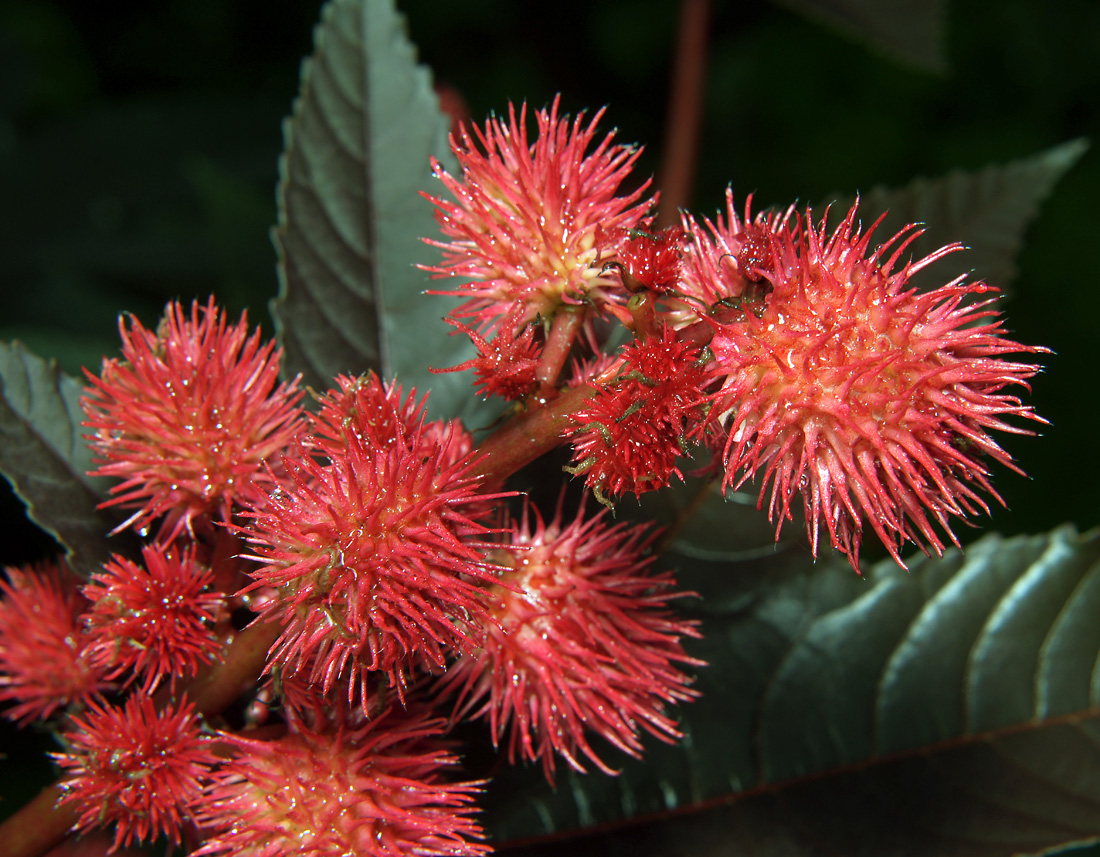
(41, 824)
(38, 826)
(525, 438)
(685, 112)
(217, 689)
(567, 324)
(225, 562)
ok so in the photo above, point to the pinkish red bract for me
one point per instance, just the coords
(44, 662)
(870, 398)
(582, 642)
(529, 217)
(651, 260)
(153, 619)
(188, 417)
(372, 790)
(134, 767)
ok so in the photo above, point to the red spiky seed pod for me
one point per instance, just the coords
(154, 620)
(374, 790)
(651, 260)
(504, 366)
(631, 433)
(44, 661)
(582, 643)
(870, 398)
(373, 555)
(189, 417)
(92, 844)
(722, 258)
(136, 768)
(526, 225)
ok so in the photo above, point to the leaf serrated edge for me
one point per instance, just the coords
(279, 305)
(92, 490)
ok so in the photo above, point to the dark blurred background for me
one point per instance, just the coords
(139, 142)
(138, 149)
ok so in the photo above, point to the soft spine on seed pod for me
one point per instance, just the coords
(45, 661)
(791, 353)
(372, 788)
(380, 564)
(189, 418)
(136, 767)
(582, 640)
(373, 544)
(872, 399)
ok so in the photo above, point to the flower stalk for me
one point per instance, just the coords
(39, 825)
(566, 325)
(219, 686)
(530, 435)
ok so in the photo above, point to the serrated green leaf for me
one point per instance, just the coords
(954, 707)
(43, 455)
(908, 30)
(988, 211)
(351, 217)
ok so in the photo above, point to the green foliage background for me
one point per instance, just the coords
(138, 149)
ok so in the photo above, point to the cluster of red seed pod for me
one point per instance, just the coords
(371, 543)
(783, 349)
(400, 588)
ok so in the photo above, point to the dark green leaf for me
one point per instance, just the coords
(988, 211)
(350, 215)
(908, 30)
(703, 523)
(990, 798)
(953, 707)
(43, 455)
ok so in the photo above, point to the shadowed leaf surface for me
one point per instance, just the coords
(989, 799)
(988, 211)
(908, 30)
(43, 455)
